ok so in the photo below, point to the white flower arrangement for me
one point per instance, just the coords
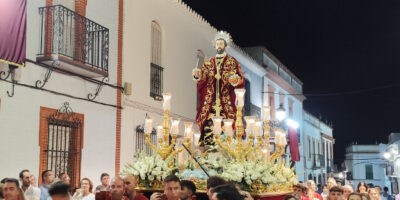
(149, 168)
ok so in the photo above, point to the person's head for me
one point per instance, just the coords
(335, 193)
(378, 189)
(370, 185)
(105, 179)
(347, 189)
(362, 187)
(311, 185)
(385, 190)
(212, 182)
(325, 189)
(11, 190)
(220, 45)
(64, 177)
(354, 196)
(188, 189)
(59, 191)
(24, 176)
(172, 187)
(117, 188)
(130, 185)
(226, 192)
(86, 184)
(297, 190)
(331, 182)
(365, 196)
(304, 190)
(47, 177)
(290, 197)
(373, 194)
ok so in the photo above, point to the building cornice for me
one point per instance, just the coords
(148, 108)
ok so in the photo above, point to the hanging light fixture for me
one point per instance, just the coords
(280, 113)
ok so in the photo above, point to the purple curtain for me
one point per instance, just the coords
(13, 31)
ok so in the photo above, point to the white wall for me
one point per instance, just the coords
(19, 115)
(183, 33)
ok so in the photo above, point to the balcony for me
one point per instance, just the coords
(319, 161)
(78, 44)
(156, 81)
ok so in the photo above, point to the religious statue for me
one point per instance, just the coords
(216, 81)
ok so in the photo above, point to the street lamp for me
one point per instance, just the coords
(280, 113)
(386, 155)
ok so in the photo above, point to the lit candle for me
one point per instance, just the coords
(240, 97)
(250, 120)
(166, 101)
(160, 132)
(266, 112)
(148, 124)
(188, 129)
(175, 126)
(228, 127)
(217, 124)
(196, 138)
(258, 131)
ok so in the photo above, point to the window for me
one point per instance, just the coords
(61, 142)
(271, 99)
(309, 147)
(141, 140)
(290, 108)
(156, 72)
(247, 99)
(369, 173)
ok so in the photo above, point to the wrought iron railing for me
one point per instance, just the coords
(65, 32)
(156, 81)
(319, 161)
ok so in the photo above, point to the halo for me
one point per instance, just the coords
(223, 35)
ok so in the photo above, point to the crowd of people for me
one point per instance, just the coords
(117, 188)
(124, 188)
(332, 191)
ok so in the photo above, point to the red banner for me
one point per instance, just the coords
(13, 31)
(294, 145)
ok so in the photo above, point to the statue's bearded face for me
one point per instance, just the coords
(220, 45)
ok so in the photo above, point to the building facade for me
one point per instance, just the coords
(278, 84)
(318, 149)
(59, 111)
(364, 162)
(392, 157)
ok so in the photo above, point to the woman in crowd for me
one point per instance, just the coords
(373, 194)
(84, 191)
(362, 188)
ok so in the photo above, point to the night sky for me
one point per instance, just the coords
(332, 47)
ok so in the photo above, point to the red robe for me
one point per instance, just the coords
(206, 88)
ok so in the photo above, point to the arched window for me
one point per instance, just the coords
(155, 43)
(156, 72)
